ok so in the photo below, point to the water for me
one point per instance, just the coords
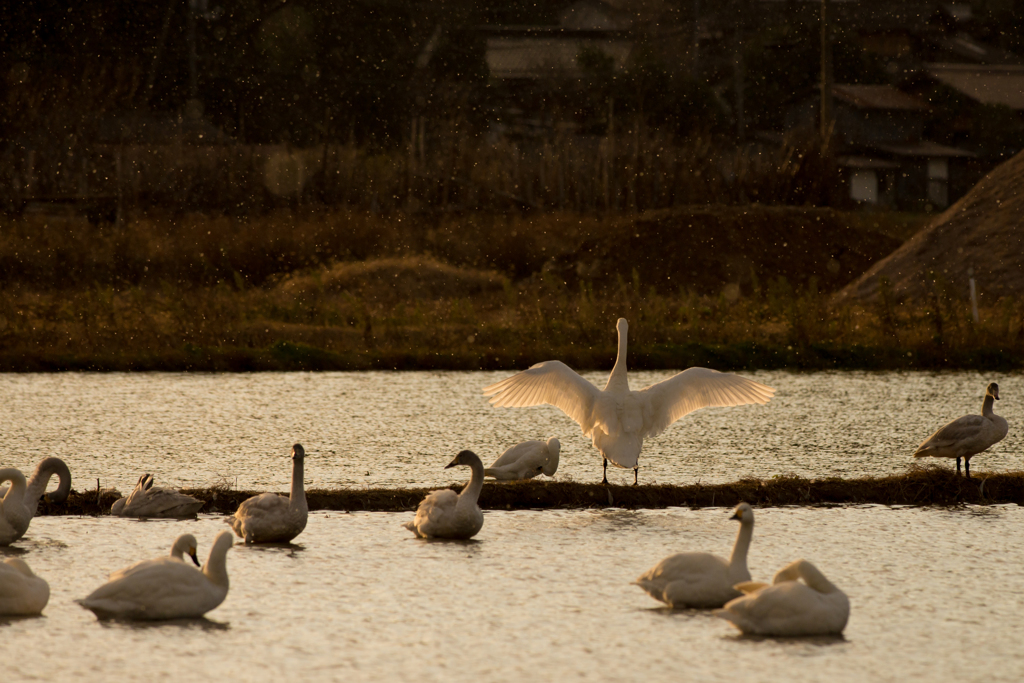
(936, 595)
(400, 429)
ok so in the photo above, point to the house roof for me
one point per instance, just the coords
(877, 97)
(1003, 84)
(540, 56)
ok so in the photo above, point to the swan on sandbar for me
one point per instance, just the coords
(446, 514)
(616, 418)
(788, 607)
(702, 580)
(40, 479)
(155, 503)
(272, 518)
(186, 543)
(967, 436)
(526, 460)
(164, 588)
(22, 593)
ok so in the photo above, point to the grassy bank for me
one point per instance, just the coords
(919, 486)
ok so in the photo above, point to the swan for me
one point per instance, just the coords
(616, 418)
(22, 593)
(446, 514)
(36, 490)
(272, 518)
(788, 607)
(14, 515)
(164, 588)
(526, 460)
(702, 580)
(967, 436)
(186, 543)
(146, 501)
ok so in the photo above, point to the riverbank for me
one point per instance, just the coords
(934, 485)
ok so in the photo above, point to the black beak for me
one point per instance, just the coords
(194, 558)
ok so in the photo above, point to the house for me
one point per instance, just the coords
(878, 135)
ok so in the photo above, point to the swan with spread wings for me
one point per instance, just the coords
(617, 418)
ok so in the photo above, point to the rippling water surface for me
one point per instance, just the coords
(400, 428)
(937, 595)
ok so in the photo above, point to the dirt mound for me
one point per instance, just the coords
(984, 231)
(407, 277)
(713, 249)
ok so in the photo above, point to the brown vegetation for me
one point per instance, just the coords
(919, 486)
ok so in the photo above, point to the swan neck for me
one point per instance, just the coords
(986, 407)
(298, 490)
(216, 568)
(476, 482)
(36, 487)
(814, 578)
(16, 493)
(739, 550)
(619, 379)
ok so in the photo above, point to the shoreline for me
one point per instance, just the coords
(926, 486)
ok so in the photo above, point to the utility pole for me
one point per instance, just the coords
(825, 119)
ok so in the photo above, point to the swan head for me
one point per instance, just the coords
(186, 544)
(465, 458)
(118, 505)
(993, 391)
(298, 452)
(744, 513)
(550, 466)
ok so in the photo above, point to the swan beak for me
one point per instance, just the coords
(737, 515)
(192, 554)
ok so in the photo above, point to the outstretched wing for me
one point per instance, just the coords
(698, 388)
(552, 383)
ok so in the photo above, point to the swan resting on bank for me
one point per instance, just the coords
(526, 460)
(702, 580)
(967, 436)
(164, 588)
(22, 593)
(155, 503)
(272, 518)
(788, 607)
(446, 514)
(616, 418)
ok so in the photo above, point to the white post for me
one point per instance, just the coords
(974, 295)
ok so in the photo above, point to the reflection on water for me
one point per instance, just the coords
(204, 429)
(936, 595)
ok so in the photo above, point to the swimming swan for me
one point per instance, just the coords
(616, 418)
(22, 593)
(186, 543)
(967, 436)
(526, 460)
(446, 514)
(164, 588)
(156, 503)
(37, 484)
(788, 607)
(702, 580)
(14, 515)
(272, 518)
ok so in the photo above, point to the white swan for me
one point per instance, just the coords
(272, 518)
(616, 418)
(147, 501)
(967, 436)
(702, 580)
(40, 479)
(164, 588)
(526, 460)
(446, 514)
(14, 515)
(186, 543)
(22, 593)
(790, 608)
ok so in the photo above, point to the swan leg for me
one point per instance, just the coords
(958, 465)
(636, 475)
(967, 466)
(604, 480)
